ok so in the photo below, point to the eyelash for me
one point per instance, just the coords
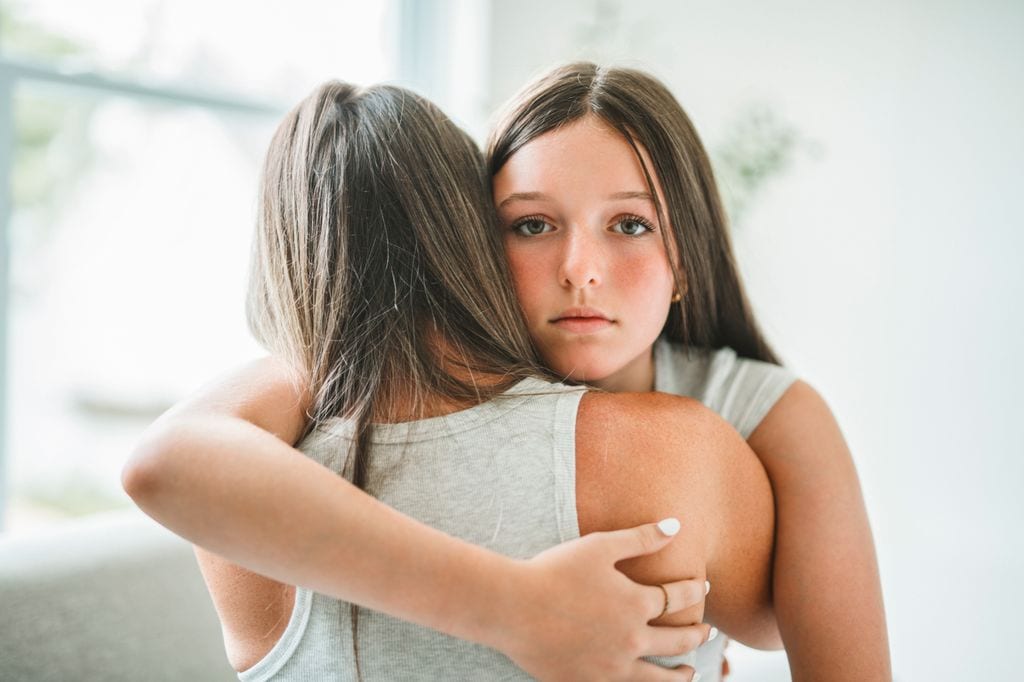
(514, 227)
(627, 218)
(630, 218)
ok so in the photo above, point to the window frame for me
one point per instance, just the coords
(419, 26)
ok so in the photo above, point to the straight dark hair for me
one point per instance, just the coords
(714, 311)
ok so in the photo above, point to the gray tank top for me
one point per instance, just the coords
(501, 475)
(740, 390)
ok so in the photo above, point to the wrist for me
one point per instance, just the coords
(494, 595)
(481, 592)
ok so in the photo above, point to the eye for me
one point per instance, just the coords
(632, 226)
(531, 227)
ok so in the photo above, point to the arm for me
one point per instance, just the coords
(642, 454)
(218, 470)
(240, 491)
(828, 597)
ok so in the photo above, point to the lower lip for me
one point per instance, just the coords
(583, 325)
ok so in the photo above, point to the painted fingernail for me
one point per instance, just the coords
(669, 526)
(713, 633)
(707, 586)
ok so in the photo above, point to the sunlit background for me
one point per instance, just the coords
(870, 154)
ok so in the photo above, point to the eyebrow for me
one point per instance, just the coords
(524, 196)
(540, 196)
(646, 196)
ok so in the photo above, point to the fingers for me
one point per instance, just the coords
(678, 640)
(652, 672)
(682, 594)
(639, 540)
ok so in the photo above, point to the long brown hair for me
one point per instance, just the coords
(375, 239)
(714, 310)
(377, 269)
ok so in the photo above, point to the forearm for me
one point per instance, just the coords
(827, 591)
(219, 470)
(238, 491)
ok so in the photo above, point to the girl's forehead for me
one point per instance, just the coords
(588, 136)
(587, 154)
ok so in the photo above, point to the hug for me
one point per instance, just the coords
(491, 374)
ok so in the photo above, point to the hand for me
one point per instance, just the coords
(576, 617)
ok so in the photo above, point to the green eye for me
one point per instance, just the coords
(632, 227)
(531, 227)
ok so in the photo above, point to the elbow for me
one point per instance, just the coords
(764, 643)
(137, 477)
(767, 637)
(763, 634)
(147, 467)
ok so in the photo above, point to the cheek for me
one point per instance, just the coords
(645, 274)
(527, 276)
(647, 281)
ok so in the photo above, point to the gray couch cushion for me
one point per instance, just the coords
(114, 597)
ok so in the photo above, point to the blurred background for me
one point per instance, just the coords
(871, 155)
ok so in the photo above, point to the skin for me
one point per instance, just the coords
(582, 238)
(224, 455)
(823, 537)
(581, 234)
(221, 471)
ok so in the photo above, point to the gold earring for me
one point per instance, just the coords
(677, 297)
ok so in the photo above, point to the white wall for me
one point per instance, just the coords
(882, 267)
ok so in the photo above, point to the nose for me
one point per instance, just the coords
(582, 261)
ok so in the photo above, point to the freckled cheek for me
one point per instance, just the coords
(644, 276)
(527, 276)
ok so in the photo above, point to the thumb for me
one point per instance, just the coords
(640, 540)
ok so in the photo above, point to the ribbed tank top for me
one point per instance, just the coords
(501, 475)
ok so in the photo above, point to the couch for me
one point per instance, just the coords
(111, 597)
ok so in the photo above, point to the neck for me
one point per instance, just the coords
(635, 377)
(408, 404)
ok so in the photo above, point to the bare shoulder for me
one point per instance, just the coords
(254, 610)
(632, 442)
(670, 434)
(644, 457)
(647, 417)
(638, 460)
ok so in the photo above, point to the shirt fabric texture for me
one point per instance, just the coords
(501, 475)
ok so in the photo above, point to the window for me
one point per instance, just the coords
(134, 133)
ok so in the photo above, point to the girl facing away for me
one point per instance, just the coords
(597, 174)
(467, 478)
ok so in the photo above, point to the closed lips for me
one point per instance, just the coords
(581, 314)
